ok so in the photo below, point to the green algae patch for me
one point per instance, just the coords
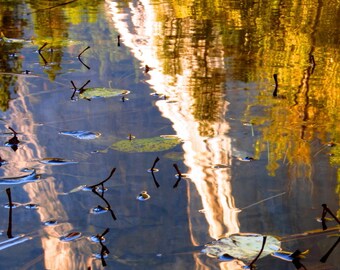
(155, 144)
(102, 92)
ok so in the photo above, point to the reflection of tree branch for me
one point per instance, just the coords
(9, 229)
(49, 8)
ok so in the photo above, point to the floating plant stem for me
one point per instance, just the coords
(9, 229)
(42, 47)
(104, 249)
(258, 255)
(107, 203)
(276, 86)
(296, 260)
(325, 257)
(179, 175)
(102, 182)
(88, 47)
(154, 164)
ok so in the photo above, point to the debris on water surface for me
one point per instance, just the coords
(31, 206)
(70, 237)
(102, 92)
(51, 222)
(56, 161)
(243, 247)
(143, 196)
(99, 210)
(101, 255)
(13, 205)
(247, 159)
(154, 144)
(81, 134)
(97, 238)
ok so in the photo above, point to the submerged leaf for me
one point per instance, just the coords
(155, 144)
(242, 246)
(81, 134)
(98, 92)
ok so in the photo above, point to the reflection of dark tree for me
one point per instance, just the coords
(11, 24)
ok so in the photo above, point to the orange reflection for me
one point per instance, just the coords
(205, 142)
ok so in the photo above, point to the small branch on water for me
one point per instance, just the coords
(325, 257)
(179, 175)
(88, 47)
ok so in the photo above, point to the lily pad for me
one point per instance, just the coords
(98, 92)
(154, 144)
(244, 247)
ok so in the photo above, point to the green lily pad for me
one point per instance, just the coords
(103, 92)
(155, 144)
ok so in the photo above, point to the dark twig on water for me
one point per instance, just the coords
(179, 175)
(9, 229)
(258, 255)
(324, 212)
(296, 260)
(42, 57)
(79, 55)
(101, 183)
(107, 203)
(155, 180)
(79, 91)
(276, 86)
(152, 170)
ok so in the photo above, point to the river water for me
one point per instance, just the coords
(203, 71)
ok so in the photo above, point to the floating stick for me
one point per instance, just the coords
(154, 164)
(296, 260)
(276, 85)
(325, 208)
(80, 90)
(9, 229)
(39, 51)
(179, 175)
(102, 182)
(258, 255)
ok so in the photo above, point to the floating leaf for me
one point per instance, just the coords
(243, 247)
(81, 134)
(103, 92)
(70, 237)
(56, 161)
(155, 144)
